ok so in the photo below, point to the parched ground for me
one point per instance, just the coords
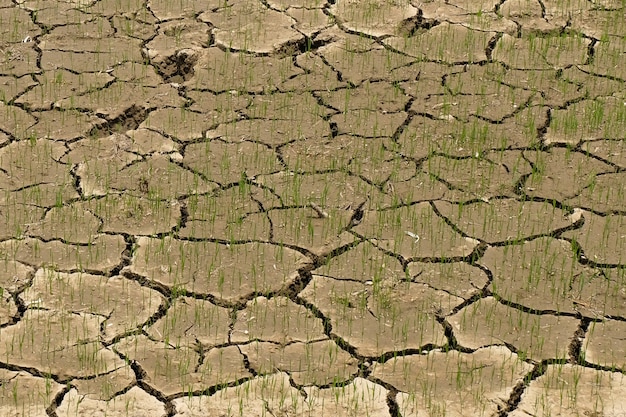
(309, 208)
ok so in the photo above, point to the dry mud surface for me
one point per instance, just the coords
(289, 208)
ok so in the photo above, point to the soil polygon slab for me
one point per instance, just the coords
(105, 387)
(602, 23)
(16, 121)
(175, 36)
(299, 107)
(546, 87)
(319, 80)
(123, 303)
(573, 390)
(102, 154)
(445, 43)
(97, 27)
(14, 275)
(57, 13)
(558, 15)
(8, 309)
(613, 151)
(227, 163)
(71, 224)
(260, 396)
(606, 194)
(473, 15)
(84, 42)
(375, 266)
(64, 125)
(136, 399)
(315, 363)
(133, 215)
(537, 274)
(422, 187)
(315, 66)
(24, 394)
(103, 253)
(11, 87)
(322, 154)
(175, 370)
(17, 217)
(220, 71)
(477, 79)
(303, 227)
(40, 195)
(228, 275)
(608, 59)
(377, 319)
(478, 178)
(165, 10)
(11, 17)
(180, 123)
(271, 132)
(454, 137)
(358, 66)
(297, 189)
(561, 173)
(453, 383)
(133, 28)
(601, 295)
(139, 73)
(490, 107)
(300, 4)
(91, 55)
(380, 96)
(374, 17)
(538, 337)
(45, 336)
(380, 166)
(278, 320)
(604, 344)
(539, 53)
(457, 278)
(233, 214)
(390, 300)
(528, 15)
(599, 233)
(144, 141)
(502, 220)
(56, 85)
(19, 59)
(4, 139)
(602, 118)
(369, 123)
(189, 321)
(156, 178)
(414, 232)
(595, 85)
(251, 27)
(227, 106)
(309, 21)
(123, 101)
(361, 397)
(247, 227)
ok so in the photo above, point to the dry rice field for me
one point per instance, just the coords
(306, 208)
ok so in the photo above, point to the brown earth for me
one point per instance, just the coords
(289, 208)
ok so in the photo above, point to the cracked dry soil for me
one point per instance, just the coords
(289, 208)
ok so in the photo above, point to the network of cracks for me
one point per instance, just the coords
(282, 208)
